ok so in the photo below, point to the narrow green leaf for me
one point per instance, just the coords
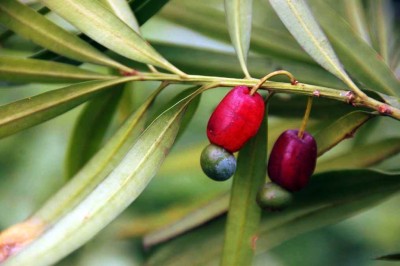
(344, 127)
(107, 200)
(100, 24)
(330, 197)
(90, 129)
(190, 111)
(99, 166)
(244, 213)
(355, 15)
(31, 25)
(145, 9)
(8, 33)
(194, 219)
(189, 114)
(390, 257)
(360, 60)
(362, 156)
(122, 10)
(31, 111)
(31, 70)
(299, 20)
(238, 17)
(210, 22)
(381, 14)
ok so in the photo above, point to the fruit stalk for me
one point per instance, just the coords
(305, 118)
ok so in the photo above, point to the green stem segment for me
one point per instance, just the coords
(305, 118)
(278, 87)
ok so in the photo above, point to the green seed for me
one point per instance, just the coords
(217, 163)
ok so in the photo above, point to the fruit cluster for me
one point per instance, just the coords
(235, 120)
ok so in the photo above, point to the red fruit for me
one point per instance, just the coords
(292, 160)
(236, 119)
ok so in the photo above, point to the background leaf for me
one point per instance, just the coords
(360, 60)
(193, 219)
(190, 111)
(330, 198)
(90, 129)
(390, 257)
(356, 17)
(23, 70)
(103, 26)
(361, 156)
(143, 9)
(299, 20)
(344, 127)
(122, 10)
(239, 17)
(209, 21)
(27, 23)
(381, 27)
(31, 111)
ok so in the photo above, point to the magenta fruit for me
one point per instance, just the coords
(292, 160)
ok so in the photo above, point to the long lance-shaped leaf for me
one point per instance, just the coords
(191, 109)
(119, 189)
(210, 22)
(8, 33)
(299, 20)
(99, 166)
(90, 129)
(143, 9)
(360, 60)
(100, 24)
(344, 127)
(45, 33)
(355, 15)
(330, 198)
(193, 219)
(238, 17)
(31, 111)
(362, 156)
(32, 70)
(390, 257)
(381, 21)
(244, 213)
(122, 10)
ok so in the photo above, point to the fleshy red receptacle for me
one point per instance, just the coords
(236, 119)
(292, 160)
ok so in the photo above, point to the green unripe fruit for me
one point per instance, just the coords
(217, 163)
(273, 197)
